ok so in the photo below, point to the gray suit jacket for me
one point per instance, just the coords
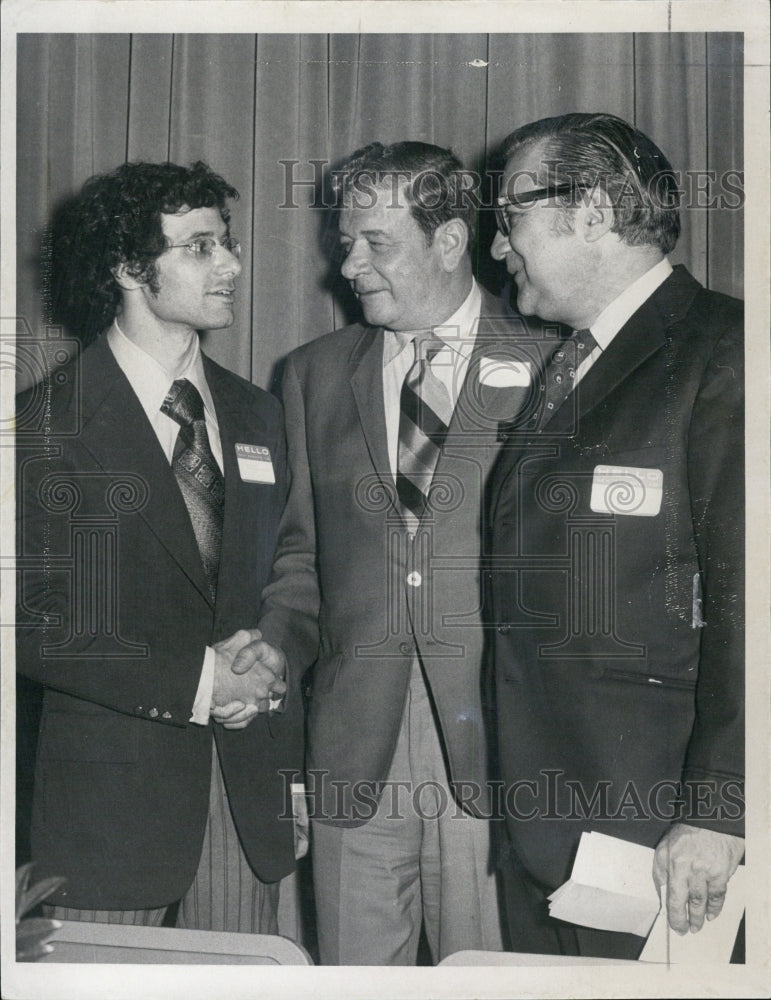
(352, 595)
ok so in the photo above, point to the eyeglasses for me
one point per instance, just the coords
(204, 246)
(552, 191)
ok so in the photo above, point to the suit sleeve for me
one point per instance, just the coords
(291, 600)
(715, 756)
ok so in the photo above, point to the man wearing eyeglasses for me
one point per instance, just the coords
(616, 584)
(151, 484)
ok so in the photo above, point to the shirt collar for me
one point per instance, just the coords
(615, 315)
(458, 332)
(150, 380)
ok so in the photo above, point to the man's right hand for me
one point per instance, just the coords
(248, 673)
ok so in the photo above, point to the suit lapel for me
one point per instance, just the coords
(472, 439)
(116, 432)
(238, 423)
(367, 387)
(482, 405)
(642, 336)
(644, 333)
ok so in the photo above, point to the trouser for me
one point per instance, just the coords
(419, 859)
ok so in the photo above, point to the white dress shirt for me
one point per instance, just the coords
(619, 311)
(151, 383)
(449, 365)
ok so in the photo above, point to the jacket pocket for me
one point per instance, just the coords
(648, 680)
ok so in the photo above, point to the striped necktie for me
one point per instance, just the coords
(425, 413)
(198, 475)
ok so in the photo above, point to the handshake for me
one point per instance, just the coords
(248, 677)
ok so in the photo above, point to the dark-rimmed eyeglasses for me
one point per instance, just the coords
(203, 247)
(537, 194)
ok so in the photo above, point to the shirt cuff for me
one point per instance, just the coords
(202, 703)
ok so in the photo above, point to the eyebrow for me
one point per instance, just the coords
(206, 232)
(366, 232)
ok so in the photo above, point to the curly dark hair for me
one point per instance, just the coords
(115, 219)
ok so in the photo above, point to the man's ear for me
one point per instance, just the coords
(452, 240)
(127, 281)
(595, 216)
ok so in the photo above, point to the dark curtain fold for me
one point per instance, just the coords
(243, 103)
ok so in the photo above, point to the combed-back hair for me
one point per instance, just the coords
(116, 219)
(432, 179)
(600, 150)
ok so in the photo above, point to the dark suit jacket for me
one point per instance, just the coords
(340, 594)
(619, 648)
(114, 617)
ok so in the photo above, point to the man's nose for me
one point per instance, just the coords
(500, 247)
(226, 261)
(355, 263)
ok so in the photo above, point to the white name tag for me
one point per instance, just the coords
(254, 463)
(618, 489)
(503, 372)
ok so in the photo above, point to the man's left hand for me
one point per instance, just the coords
(695, 864)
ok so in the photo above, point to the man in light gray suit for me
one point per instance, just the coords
(392, 428)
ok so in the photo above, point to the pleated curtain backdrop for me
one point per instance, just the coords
(243, 103)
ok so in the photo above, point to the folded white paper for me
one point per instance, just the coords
(611, 887)
(712, 945)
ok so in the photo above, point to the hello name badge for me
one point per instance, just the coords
(254, 463)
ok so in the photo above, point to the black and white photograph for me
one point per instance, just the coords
(385, 499)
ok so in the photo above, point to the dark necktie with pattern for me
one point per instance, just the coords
(561, 368)
(426, 410)
(197, 473)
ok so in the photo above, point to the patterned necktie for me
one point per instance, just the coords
(426, 410)
(561, 368)
(198, 475)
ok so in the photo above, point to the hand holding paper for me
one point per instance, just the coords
(611, 887)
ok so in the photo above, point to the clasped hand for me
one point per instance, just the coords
(248, 675)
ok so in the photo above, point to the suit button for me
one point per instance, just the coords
(405, 647)
(166, 715)
(504, 629)
(414, 579)
(153, 713)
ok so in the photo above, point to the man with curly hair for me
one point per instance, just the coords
(177, 468)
